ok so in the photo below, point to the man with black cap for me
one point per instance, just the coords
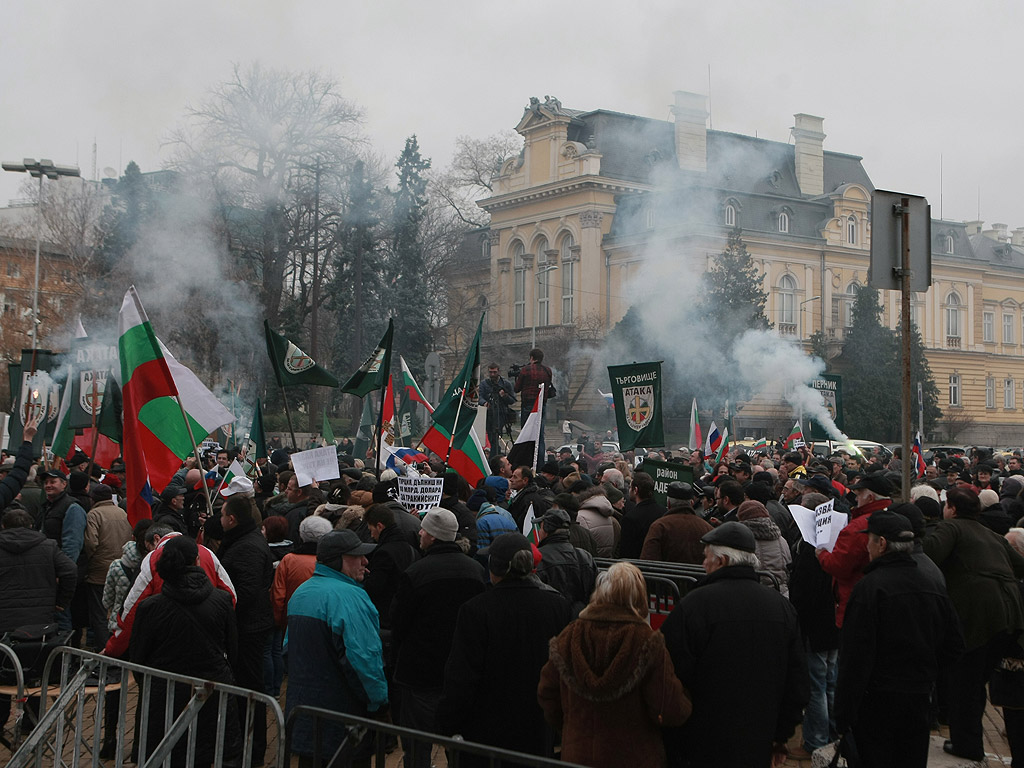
(736, 648)
(845, 563)
(900, 630)
(675, 536)
(423, 613)
(171, 508)
(498, 649)
(335, 658)
(568, 569)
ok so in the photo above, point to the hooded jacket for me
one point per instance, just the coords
(609, 681)
(35, 577)
(596, 515)
(120, 577)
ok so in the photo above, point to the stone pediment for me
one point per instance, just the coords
(538, 113)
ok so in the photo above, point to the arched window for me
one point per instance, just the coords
(787, 300)
(519, 267)
(783, 222)
(543, 283)
(947, 243)
(569, 267)
(850, 298)
(730, 215)
(954, 307)
(851, 230)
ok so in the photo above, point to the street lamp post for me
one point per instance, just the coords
(806, 301)
(39, 170)
(540, 274)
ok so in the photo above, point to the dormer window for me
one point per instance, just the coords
(730, 215)
(851, 231)
(783, 222)
(947, 243)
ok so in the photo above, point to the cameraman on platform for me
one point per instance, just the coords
(528, 382)
(496, 395)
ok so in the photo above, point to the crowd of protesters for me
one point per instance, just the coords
(449, 620)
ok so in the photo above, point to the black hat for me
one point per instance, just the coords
(929, 507)
(732, 535)
(742, 466)
(101, 492)
(54, 473)
(78, 481)
(913, 514)
(549, 468)
(503, 549)
(818, 483)
(117, 465)
(679, 490)
(890, 525)
(875, 482)
(554, 519)
(172, 491)
(344, 542)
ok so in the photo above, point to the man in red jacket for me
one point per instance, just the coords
(845, 563)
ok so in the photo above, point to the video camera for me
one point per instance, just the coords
(513, 371)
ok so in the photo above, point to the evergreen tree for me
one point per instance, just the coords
(734, 298)
(871, 381)
(921, 372)
(408, 297)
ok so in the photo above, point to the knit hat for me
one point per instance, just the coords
(614, 494)
(988, 498)
(441, 524)
(79, 482)
(498, 483)
(750, 509)
(314, 528)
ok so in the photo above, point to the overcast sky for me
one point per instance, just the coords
(897, 83)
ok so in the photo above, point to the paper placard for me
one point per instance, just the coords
(416, 493)
(820, 526)
(315, 465)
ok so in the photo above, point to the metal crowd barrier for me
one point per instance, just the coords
(72, 728)
(361, 728)
(16, 692)
(683, 573)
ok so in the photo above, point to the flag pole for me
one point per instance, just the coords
(288, 413)
(455, 425)
(380, 421)
(199, 460)
(95, 432)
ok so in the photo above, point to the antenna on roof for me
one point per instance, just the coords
(711, 119)
(940, 187)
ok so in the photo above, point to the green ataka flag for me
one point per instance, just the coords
(374, 371)
(91, 363)
(408, 424)
(291, 365)
(326, 431)
(364, 435)
(110, 422)
(456, 420)
(256, 444)
(636, 390)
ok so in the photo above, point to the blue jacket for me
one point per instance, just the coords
(491, 522)
(335, 658)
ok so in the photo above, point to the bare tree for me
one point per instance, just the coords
(957, 422)
(469, 177)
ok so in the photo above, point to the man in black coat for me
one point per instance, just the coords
(736, 647)
(498, 649)
(637, 522)
(450, 500)
(900, 628)
(388, 561)
(568, 569)
(247, 558)
(527, 493)
(423, 614)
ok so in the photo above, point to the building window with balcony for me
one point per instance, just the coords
(569, 269)
(954, 308)
(954, 390)
(783, 222)
(543, 283)
(1008, 394)
(1008, 329)
(787, 305)
(990, 392)
(519, 267)
(988, 331)
(851, 230)
(848, 302)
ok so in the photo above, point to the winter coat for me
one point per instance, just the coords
(466, 518)
(335, 657)
(569, 570)
(294, 569)
(900, 630)
(35, 577)
(845, 563)
(772, 549)
(635, 525)
(810, 592)
(423, 613)
(609, 681)
(12, 483)
(582, 538)
(189, 628)
(491, 522)
(388, 562)
(120, 576)
(493, 671)
(64, 522)
(106, 531)
(531, 494)
(981, 570)
(596, 516)
(407, 523)
(783, 518)
(246, 557)
(732, 634)
(295, 514)
(675, 537)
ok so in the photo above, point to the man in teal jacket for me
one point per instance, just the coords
(335, 659)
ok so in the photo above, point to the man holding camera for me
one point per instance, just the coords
(496, 395)
(528, 382)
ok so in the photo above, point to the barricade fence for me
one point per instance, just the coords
(172, 715)
(366, 744)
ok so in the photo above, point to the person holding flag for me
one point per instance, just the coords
(528, 383)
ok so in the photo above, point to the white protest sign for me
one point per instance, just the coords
(804, 519)
(820, 526)
(315, 465)
(416, 493)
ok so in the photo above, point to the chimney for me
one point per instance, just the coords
(1018, 236)
(691, 115)
(810, 157)
(997, 233)
(974, 227)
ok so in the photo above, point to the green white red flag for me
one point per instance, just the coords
(795, 435)
(412, 391)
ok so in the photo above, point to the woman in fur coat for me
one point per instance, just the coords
(609, 684)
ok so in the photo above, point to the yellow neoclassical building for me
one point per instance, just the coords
(592, 192)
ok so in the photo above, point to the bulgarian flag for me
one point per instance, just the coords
(234, 470)
(723, 447)
(411, 390)
(387, 416)
(467, 459)
(919, 462)
(156, 438)
(694, 442)
(795, 435)
(530, 525)
(760, 445)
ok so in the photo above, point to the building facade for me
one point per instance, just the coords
(575, 217)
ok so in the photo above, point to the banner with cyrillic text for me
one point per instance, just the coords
(636, 392)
